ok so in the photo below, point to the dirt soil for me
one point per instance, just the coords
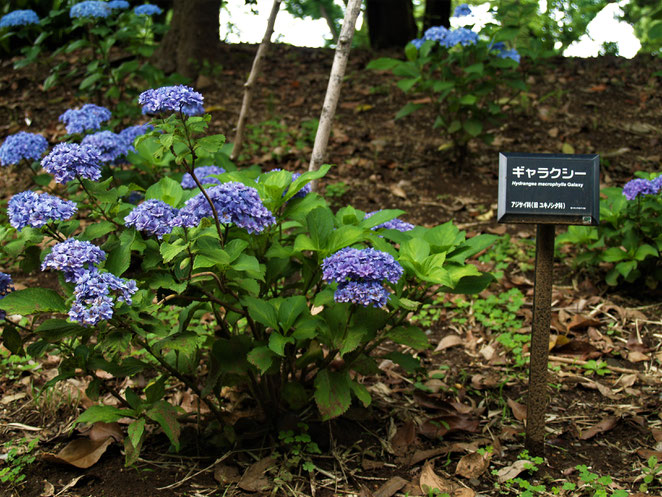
(424, 430)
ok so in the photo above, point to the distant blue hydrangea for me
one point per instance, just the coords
(74, 258)
(130, 134)
(393, 224)
(22, 145)
(360, 274)
(234, 203)
(153, 217)
(90, 9)
(88, 117)
(203, 173)
(172, 99)
(418, 43)
(436, 33)
(498, 45)
(657, 184)
(460, 36)
(6, 286)
(509, 54)
(96, 294)
(19, 18)
(118, 5)
(147, 10)
(110, 146)
(69, 161)
(38, 209)
(135, 197)
(462, 10)
(636, 187)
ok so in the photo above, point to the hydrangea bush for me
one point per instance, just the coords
(298, 297)
(467, 77)
(628, 240)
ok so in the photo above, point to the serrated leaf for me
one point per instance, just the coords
(261, 357)
(119, 258)
(332, 393)
(361, 393)
(135, 431)
(105, 414)
(261, 311)
(411, 336)
(32, 300)
(277, 343)
(165, 415)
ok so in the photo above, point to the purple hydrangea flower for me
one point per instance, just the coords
(130, 134)
(88, 117)
(73, 258)
(657, 184)
(69, 161)
(361, 265)
(22, 145)
(110, 146)
(462, 10)
(90, 9)
(509, 54)
(204, 175)
(393, 224)
(147, 10)
(234, 203)
(172, 99)
(19, 18)
(96, 294)
(362, 292)
(637, 187)
(118, 4)
(6, 286)
(153, 217)
(38, 209)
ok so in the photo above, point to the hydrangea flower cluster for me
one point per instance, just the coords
(110, 146)
(88, 117)
(234, 203)
(448, 38)
(462, 10)
(172, 99)
(90, 9)
(19, 18)
(153, 217)
(96, 293)
(74, 258)
(118, 5)
(509, 54)
(38, 209)
(68, 161)
(204, 175)
(147, 10)
(632, 189)
(360, 274)
(130, 134)
(22, 145)
(393, 224)
(6, 286)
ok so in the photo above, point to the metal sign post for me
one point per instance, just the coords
(545, 189)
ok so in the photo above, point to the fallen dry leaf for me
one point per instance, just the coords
(449, 341)
(438, 427)
(101, 431)
(390, 487)
(604, 425)
(519, 410)
(397, 191)
(255, 478)
(472, 465)
(647, 453)
(512, 471)
(429, 480)
(579, 322)
(463, 492)
(657, 434)
(637, 356)
(226, 474)
(404, 438)
(81, 453)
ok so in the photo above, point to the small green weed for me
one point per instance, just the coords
(652, 475)
(19, 456)
(506, 251)
(598, 367)
(335, 191)
(12, 366)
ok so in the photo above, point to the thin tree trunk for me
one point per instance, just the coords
(248, 86)
(335, 83)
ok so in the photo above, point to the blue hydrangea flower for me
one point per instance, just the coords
(6, 286)
(118, 5)
(498, 45)
(153, 217)
(19, 18)
(172, 99)
(657, 184)
(361, 265)
(69, 161)
(147, 10)
(462, 10)
(38, 209)
(96, 294)
(110, 146)
(22, 145)
(632, 189)
(460, 36)
(509, 54)
(234, 203)
(73, 258)
(130, 134)
(436, 33)
(90, 9)
(203, 173)
(88, 117)
(393, 224)
(362, 292)
(418, 43)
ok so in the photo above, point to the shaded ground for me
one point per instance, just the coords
(471, 397)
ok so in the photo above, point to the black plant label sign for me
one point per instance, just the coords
(549, 188)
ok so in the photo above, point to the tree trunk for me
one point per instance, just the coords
(390, 23)
(193, 37)
(437, 13)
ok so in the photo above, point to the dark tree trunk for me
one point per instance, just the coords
(437, 13)
(390, 23)
(193, 37)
